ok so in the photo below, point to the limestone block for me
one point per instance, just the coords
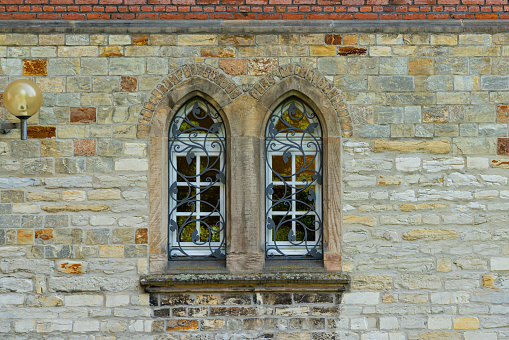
(442, 146)
(363, 298)
(76, 208)
(44, 301)
(103, 194)
(83, 326)
(408, 164)
(26, 267)
(131, 164)
(197, 40)
(357, 181)
(418, 281)
(74, 195)
(447, 298)
(371, 282)
(15, 285)
(135, 149)
(499, 263)
(369, 221)
(466, 323)
(111, 251)
(119, 39)
(8, 300)
(48, 326)
(430, 234)
(480, 335)
(439, 322)
(68, 182)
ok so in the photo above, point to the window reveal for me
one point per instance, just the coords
(197, 183)
(293, 182)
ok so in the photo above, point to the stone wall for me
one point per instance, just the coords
(424, 193)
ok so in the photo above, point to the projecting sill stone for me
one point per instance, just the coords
(266, 282)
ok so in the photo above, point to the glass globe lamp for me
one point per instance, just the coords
(22, 98)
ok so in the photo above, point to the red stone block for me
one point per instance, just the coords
(140, 39)
(333, 39)
(233, 66)
(503, 146)
(141, 236)
(84, 147)
(44, 234)
(350, 50)
(83, 115)
(128, 84)
(41, 132)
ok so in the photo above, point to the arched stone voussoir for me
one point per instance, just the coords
(296, 79)
(188, 78)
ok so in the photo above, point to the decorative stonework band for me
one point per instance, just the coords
(233, 91)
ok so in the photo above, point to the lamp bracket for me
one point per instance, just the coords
(7, 127)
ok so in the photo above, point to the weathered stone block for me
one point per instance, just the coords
(430, 234)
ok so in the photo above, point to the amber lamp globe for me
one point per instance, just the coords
(22, 98)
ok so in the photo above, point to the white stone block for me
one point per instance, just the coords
(25, 209)
(375, 336)
(448, 298)
(500, 263)
(439, 322)
(24, 326)
(397, 336)
(12, 284)
(135, 149)
(117, 300)
(47, 326)
(408, 164)
(389, 323)
(358, 323)
(136, 326)
(494, 179)
(98, 220)
(134, 195)
(478, 163)
(131, 164)
(82, 326)
(364, 298)
(80, 300)
(480, 336)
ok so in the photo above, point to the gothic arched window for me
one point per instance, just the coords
(293, 182)
(197, 181)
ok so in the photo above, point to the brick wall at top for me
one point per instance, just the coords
(254, 9)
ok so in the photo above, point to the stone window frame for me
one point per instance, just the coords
(245, 114)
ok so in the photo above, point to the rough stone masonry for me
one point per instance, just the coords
(424, 185)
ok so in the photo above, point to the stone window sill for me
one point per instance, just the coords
(264, 282)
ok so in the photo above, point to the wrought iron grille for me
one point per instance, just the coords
(293, 179)
(197, 183)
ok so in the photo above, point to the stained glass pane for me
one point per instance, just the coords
(281, 170)
(210, 199)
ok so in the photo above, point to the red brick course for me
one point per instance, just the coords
(254, 9)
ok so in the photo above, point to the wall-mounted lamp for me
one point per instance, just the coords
(22, 98)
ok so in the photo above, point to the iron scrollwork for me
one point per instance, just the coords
(293, 156)
(197, 181)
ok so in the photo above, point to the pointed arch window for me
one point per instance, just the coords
(197, 181)
(293, 182)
